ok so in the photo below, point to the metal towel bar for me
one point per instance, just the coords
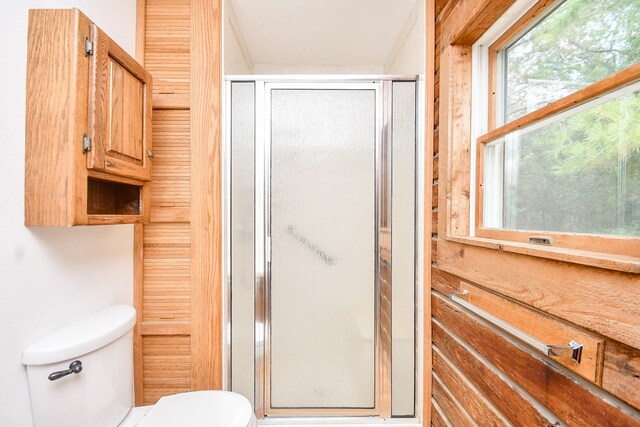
(573, 350)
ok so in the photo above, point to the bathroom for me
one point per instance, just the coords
(54, 276)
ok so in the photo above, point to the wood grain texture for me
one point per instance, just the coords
(141, 29)
(469, 19)
(121, 111)
(543, 327)
(164, 327)
(506, 396)
(126, 97)
(62, 107)
(444, 282)
(166, 303)
(167, 272)
(479, 408)
(438, 418)
(621, 374)
(171, 174)
(167, 46)
(166, 362)
(557, 390)
(455, 128)
(599, 300)
(427, 203)
(622, 263)
(574, 288)
(206, 194)
(138, 292)
(56, 117)
(456, 414)
(619, 79)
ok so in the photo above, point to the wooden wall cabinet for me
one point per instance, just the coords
(88, 125)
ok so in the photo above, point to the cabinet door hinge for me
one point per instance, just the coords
(88, 46)
(86, 143)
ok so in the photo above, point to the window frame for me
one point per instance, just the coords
(489, 131)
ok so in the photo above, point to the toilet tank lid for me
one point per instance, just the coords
(82, 337)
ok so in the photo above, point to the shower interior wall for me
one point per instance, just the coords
(407, 57)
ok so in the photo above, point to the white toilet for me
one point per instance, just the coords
(98, 391)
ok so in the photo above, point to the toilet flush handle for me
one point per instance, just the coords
(74, 368)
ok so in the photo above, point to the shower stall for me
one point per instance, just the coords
(321, 252)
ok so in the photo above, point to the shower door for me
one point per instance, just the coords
(321, 324)
(321, 256)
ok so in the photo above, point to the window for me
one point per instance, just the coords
(560, 163)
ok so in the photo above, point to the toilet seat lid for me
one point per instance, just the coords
(200, 409)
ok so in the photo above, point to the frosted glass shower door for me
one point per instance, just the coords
(322, 227)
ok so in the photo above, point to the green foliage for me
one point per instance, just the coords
(580, 173)
(581, 42)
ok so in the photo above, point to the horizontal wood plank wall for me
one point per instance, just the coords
(172, 336)
(481, 376)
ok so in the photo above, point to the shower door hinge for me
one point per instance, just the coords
(267, 249)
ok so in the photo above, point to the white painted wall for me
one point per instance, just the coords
(318, 69)
(237, 59)
(408, 53)
(49, 277)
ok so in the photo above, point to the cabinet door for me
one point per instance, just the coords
(119, 111)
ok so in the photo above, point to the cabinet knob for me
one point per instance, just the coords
(150, 154)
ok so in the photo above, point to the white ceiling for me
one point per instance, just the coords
(321, 32)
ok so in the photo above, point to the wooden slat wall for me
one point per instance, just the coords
(166, 362)
(171, 173)
(176, 341)
(167, 45)
(480, 375)
(166, 291)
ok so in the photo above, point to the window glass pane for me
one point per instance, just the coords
(576, 172)
(579, 43)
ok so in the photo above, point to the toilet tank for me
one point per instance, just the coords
(100, 394)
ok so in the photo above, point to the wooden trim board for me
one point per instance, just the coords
(206, 194)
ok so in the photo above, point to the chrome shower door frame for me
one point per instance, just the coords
(382, 283)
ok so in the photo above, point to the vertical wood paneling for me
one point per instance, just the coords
(138, 284)
(206, 194)
(165, 355)
(428, 178)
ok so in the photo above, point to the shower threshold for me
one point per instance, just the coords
(339, 422)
